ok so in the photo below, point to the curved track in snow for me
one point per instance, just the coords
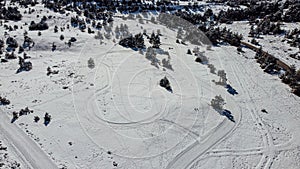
(214, 136)
(91, 108)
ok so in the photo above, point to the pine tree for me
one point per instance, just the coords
(155, 40)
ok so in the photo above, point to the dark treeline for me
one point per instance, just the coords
(260, 9)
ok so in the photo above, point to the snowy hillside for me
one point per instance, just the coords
(143, 90)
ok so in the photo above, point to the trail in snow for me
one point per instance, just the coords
(265, 133)
(31, 155)
(188, 156)
(268, 150)
(194, 151)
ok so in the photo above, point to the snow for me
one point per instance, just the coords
(27, 150)
(273, 44)
(117, 112)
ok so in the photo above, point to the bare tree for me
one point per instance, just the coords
(153, 19)
(202, 58)
(141, 21)
(158, 31)
(222, 75)
(166, 63)
(212, 68)
(91, 63)
(151, 55)
(99, 36)
(208, 47)
(117, 32)
(107, 35)
(180, 34)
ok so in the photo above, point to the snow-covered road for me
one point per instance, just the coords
(30, 154)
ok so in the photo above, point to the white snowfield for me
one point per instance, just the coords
(116, 115)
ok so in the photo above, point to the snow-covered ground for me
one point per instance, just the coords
(273, 44)
(8, 159)
(117, 116)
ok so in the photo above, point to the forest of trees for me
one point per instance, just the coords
(136, 41)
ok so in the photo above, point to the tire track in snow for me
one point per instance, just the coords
(243, 152)
(267, 93)
(188, 156)
(92, 112)
(271, 148)
(265, 133)
(193, 134)
(131, 123)
(265, 160)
